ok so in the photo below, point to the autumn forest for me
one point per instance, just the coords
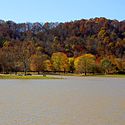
(82, 46)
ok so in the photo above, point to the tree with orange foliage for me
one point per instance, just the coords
(36, 62)
(47, 65)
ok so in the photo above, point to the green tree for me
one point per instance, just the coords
(71, 65)
(107, 65)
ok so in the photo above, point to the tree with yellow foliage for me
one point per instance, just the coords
(59, 61)
(84, 63)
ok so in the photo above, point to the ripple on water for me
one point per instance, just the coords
(62, 102)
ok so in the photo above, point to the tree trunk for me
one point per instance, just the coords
(85, 68)
(25, 69)
(3, 69)
(15, 72)
(25, 72)
(85, 73)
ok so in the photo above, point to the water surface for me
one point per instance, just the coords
(87, 101)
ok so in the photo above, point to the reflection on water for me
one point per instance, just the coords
(89, 101)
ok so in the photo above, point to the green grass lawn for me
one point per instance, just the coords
(111, 76)
(3, 76)
(10, 76)
(91, 75)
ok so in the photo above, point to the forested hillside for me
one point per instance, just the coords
(100, 37)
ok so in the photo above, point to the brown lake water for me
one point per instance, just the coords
(89, 101)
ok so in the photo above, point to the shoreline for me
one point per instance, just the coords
(62, 76)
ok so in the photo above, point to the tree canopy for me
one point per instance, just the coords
(63, 46)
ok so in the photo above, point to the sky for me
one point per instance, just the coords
(60, 10)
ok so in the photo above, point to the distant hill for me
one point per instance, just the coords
(98, 36)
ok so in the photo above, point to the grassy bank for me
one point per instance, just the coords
(96, 75)
(10, 76)
(3, 76)
(111, 76)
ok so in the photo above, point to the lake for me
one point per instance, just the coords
(86, 101)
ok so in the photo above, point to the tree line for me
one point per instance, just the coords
(29, 56)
